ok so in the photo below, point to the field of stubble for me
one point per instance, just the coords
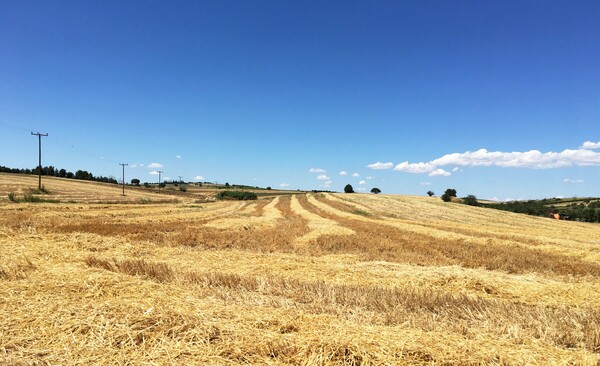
(306, 279)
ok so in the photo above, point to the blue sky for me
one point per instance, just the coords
(260, 92)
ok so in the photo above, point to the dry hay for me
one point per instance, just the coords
(123, 284)
(318, 225)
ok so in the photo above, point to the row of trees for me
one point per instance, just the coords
(349, 189)
(62, 173)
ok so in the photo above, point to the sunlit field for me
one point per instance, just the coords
(300, 279)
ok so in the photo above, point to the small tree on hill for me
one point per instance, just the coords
(348, 188)
(375, 190)
(430, 193)
(135, 182)
(470, 200)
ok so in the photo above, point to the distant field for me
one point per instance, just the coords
(303, 279)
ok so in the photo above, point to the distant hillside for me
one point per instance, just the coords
(577, 209)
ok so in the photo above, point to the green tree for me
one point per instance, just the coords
(135, 182)
(348, 189)
(450, 192)
(376, 190)
(470, 200)
(430, 193)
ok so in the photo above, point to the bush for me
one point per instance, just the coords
(236, 195)
(12, 197)
(430, 193)
(446, 197)
(348, 189)
(162, 185)
(29, 197)
(135, 182)
(183, 188)
(450, 192)
(375, 190)
(470, 200)
(146, 185)
(268, 188)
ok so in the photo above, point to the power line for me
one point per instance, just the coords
(123, 164)
(39, 135)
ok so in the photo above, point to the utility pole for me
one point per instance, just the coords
(123, 164)
(159, 173)
(39, 135)
(180, 181)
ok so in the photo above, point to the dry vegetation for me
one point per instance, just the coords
(325, 279)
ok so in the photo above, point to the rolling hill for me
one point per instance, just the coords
(300, 279)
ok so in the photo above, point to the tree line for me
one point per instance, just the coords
(62, 173)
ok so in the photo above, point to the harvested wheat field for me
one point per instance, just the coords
(306, 279)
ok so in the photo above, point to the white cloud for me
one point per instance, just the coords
(343, 172)
(439, 173)
(198, 178)
(155, 165)
(133, 166)
(356, 175)
(569, 180)
(327, 184)
(425, 183)
(166, 178)
(283, 185)
(323, 177)
(590, 145)
(361, 189)
(379, 165)
(153, 172)
(141, 164)
(532, 159)
(317, 170)
(455, 169)
(178, 156)
(362, 182)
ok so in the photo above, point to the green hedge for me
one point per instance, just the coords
(236, 195)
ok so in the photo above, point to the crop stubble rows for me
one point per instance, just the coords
(312, 261)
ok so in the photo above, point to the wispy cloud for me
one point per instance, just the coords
(154, 172)
(155, 165)
(439, 173)
(425, 183)
(283, 185)
(323, 177)
(343, 172)
(198, 178)
(355, 175)
(362, 182)
(369, 178)
(361, 189)
(317, 170)
(532, 159)
(178, 156)
(590, 145)
(569, 180)
(380, 166)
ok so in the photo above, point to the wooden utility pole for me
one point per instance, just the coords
(159, 173)
(123, 164)
(39, 135)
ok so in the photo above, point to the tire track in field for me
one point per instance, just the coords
(317, 225)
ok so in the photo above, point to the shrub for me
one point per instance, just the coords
(44, 190)
(236, 195)
(430, 193)
(470, 200)
(375, 190)
(268, 188)
(162, 185)
(12, 197)
(146, 185)
(348, 189)
(446, 197)
(450, 192)
(29, 197)
(183, 188)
